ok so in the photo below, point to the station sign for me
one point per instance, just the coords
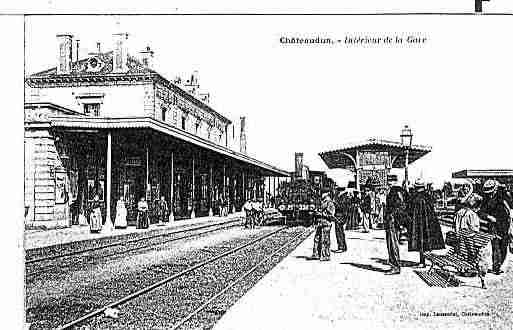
(375, 159)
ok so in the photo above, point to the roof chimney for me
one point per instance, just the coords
(192, 84)
(77, 50)
(147, 57)
(120, 54)
(243, 141)
(204, 97)
(65, 43)
(298, 157)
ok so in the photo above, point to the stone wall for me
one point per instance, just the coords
(41, 164)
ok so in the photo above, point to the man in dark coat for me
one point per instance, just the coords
(424, 233)
(324, 218)
(161, 210)
(394, 213)
(495, 209)
(341, 210)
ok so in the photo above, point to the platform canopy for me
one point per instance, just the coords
(478, 174)
(346, 156)
(102, 123)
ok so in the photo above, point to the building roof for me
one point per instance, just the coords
(136, 71)
(88, 123)
(344, 156)
(495, 173)
(50, 105)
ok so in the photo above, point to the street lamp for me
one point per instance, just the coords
(479, 5)
(406, 138)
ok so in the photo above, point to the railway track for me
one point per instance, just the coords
(38, 266)
(149, 288)
(230, 285)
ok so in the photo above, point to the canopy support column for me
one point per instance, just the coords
(172, 199)
(148, 188)
(210, 194)
(109, 179)
(193, 213)
(234, 195)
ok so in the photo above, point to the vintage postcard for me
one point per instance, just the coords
(266, 168)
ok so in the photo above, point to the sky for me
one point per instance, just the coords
(454, 91)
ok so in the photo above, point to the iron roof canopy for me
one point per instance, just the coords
(88, 123)
(343, 157)
(495, 173)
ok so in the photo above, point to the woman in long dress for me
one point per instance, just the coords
(353, 212)
(120, 221)
(466, 216)
(142, 214)
(95, 220)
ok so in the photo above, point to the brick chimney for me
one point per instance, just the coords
(77, 50)
(192, 84)
(147, 57)
(65, 46)
(298, 157)
(243, 139)
(120, 54)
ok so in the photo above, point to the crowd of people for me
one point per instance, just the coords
(411, 213)
(159, 214)
(254, 211)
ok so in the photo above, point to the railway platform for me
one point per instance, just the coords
(81, 235)
(351, 291)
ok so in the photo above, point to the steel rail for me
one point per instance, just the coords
(134, 240)
(234, 282)
(174, 239)
(164, 281)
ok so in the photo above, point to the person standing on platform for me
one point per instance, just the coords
(395, 211)
(368, 208)
(324, 219)
(496, 209)
(341, 211)
(248, 210)
(161, 210)
(95, 221)
(120, 221)
(353, 211)
(225, 207)
(220, 205)
(381, 200)
(425, 232)
(258, 209)
(466, 217)
(74, 209)
(142, 214)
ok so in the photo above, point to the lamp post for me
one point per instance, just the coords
(479, 5)
(406, 139)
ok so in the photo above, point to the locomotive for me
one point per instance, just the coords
(299, 198)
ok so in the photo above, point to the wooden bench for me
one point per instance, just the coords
(463, 254)
(273, 215)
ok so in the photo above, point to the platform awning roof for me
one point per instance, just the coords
(104, 123)
(496, 173)
(344, 156)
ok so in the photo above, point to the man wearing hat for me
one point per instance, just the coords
(395, 212)
(425, 233)
(369, 208)
(341, 206)
(324, 218)
(495, 209)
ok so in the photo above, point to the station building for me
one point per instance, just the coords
(110, 125)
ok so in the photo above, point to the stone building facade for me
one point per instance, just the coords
(109, 124)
